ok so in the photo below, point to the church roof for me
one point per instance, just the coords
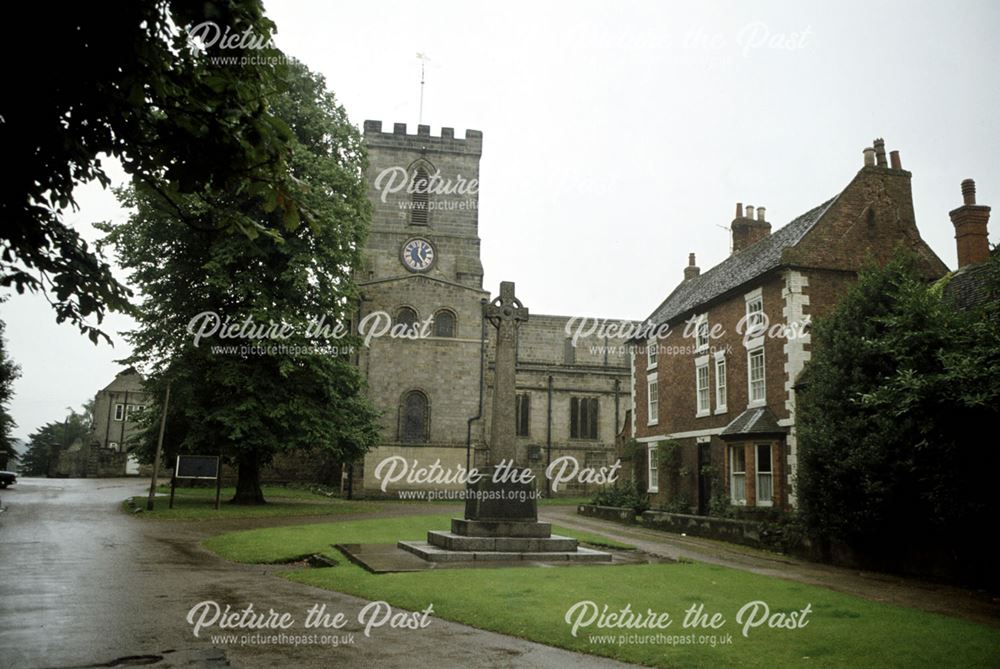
(738, 268)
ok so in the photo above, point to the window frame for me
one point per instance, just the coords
(119, 410)
(581, 421)
(702, 334)
(454, 323)
(734, 474)
(426, 420)
(752, 400)
(522, 414)
(652, 353)
(721, 383)
(757, 473)
(652, 468)
(701, 365)
(652, 400)
(751, 322)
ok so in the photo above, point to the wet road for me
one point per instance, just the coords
(82, 583)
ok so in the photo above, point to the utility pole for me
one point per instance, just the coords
(159, 449)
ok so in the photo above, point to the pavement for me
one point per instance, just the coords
(82, 584)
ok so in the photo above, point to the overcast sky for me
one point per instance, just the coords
(618, 136)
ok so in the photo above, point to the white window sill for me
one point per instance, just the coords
(765, 503)
(756, 342)
(651, 423)
(651, 368)
(721, 410)
(757, 403)
(734, 502)
(657, 489)
(702, 414)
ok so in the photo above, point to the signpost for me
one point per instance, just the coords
(198, 467)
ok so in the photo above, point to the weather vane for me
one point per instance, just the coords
(422, 57)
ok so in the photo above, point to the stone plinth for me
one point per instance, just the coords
(435, 554)
(499, 528)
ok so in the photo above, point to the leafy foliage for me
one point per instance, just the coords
(9, 372)
(127, 82)
(900, 390)
(626, 495)
(45, 443)
(251, 404)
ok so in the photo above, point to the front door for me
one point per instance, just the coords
(704, 479)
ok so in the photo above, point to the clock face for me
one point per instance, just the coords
(418, 255)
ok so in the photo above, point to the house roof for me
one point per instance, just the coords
(738, 268)
(760, 420)
(969, 286)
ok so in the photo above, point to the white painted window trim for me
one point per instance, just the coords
(699, 321)
(756, 474)
(652, 353)
(754, 295)
(652, 466)
(721, 402)
(751, 402)
(701, 362)
(652, 403)
(119, 412)
(732, 475)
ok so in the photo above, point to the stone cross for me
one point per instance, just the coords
(505, 312)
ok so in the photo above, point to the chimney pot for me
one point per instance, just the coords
(739, 210)
(869, 157)
(760, 213)
(895, 161)
(969, 191)
(880, 153)
(750, 211)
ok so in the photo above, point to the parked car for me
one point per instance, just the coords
(7, 478)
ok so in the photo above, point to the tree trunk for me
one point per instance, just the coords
(248, 480)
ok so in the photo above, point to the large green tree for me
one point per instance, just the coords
(8, 374)
(127, 80)
(898, 398)
(47, 442)
(243, 403)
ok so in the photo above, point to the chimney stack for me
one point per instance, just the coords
(748, 230)
(894, 160)
(692, 270)
(880, 153)
(970, 221)
(869, 157)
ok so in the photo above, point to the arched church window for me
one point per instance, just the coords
(414, 418)
(444, 324)
(420, 197)
(406, 316)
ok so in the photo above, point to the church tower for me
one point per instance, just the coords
(422, 266)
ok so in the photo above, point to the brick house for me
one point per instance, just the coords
(714, 401)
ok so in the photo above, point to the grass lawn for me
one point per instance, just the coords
(842, 631)
(199, 504)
